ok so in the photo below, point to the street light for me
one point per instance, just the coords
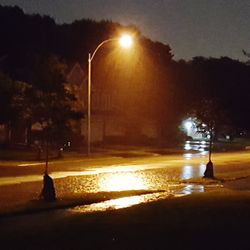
(126, 42)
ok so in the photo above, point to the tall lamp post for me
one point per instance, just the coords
(125, 41)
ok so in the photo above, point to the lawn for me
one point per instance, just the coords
(213, 220)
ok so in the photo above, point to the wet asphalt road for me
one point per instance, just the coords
(155, 172)
(151, 172)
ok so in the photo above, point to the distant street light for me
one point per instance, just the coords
(125, 42)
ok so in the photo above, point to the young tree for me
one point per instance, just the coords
(209, 112)
(49, 103)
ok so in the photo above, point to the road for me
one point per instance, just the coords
(118, 173)
(159, 173)
(99, 174)
(73, 228)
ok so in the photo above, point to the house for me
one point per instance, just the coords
(109, 121)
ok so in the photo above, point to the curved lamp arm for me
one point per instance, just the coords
(100, 45)
(91, 56)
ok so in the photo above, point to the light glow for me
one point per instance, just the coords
(121, 181)
(188, 125)
(126, 41)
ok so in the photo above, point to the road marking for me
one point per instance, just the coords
(30, 164)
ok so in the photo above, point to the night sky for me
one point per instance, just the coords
(191, 27)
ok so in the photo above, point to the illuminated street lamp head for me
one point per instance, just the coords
(126, 41)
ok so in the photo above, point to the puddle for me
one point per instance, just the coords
(189, 189)
(114, 204)
(119, 203)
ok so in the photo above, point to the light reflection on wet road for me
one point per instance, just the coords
(146, 173)
(120, 203)
(113, 204)
(125, 179)
(171, 168)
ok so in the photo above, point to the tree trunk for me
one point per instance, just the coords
(209, 172)
(47, 156)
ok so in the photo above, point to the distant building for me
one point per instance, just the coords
(108, 122)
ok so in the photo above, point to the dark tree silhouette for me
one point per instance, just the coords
(159, 88)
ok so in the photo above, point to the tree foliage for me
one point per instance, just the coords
(12, 95)
(36, 54)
